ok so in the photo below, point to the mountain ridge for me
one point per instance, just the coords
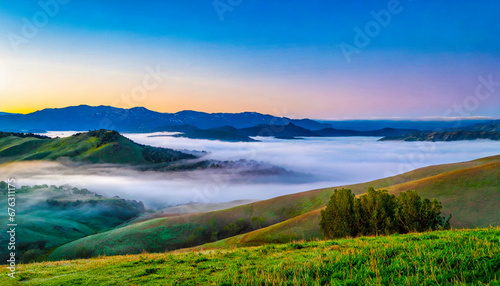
(137, 119)
(489, 130)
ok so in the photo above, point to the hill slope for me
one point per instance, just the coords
(50, 216)
(471, 195)
(98, 146)
(195, 229)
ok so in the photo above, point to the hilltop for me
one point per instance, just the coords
(469, 191)
(99, 146)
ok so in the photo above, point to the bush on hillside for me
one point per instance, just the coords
(379, 213)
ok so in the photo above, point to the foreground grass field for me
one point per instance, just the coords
(437, 258)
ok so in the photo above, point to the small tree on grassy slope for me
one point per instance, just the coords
(339, 219)
(378, 211)
(415, 215)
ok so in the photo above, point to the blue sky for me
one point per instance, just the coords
(279, 57)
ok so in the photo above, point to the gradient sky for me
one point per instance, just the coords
(281, 57)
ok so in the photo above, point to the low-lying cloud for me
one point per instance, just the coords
(326, 162)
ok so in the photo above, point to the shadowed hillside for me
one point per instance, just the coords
(50, 216)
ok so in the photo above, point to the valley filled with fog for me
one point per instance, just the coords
(309, 163)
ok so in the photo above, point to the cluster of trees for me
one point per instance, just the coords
(23, 135)
(163, 155)
(379, 213)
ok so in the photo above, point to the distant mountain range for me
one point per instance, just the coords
(288, 131)
(424, 124)
(138, 119)
(489, 130)
(232, 127)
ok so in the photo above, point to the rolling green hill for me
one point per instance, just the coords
(465, 257)
(99, 146)
(471, 195)
(287, 218)
(49, 216)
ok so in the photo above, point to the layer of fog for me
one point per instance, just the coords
(330, 161)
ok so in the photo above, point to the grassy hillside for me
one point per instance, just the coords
(291, 211)
(471, 195)
(50, 216)
(437, 258)
(98, 146)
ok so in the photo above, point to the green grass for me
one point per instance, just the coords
(99, 146)
(473, 203)
(469, 257)
(471, 195)
(50, 216)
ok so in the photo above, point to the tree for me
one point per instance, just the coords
(416, 215)
(378, 212)
(338, 219)
(257, 222)
(378, 209)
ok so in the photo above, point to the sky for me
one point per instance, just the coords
(315, 59)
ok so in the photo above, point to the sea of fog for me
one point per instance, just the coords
(328, 162)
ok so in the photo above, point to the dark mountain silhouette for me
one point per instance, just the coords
(288, 131)
(331, 132)
(138, 119)
(192, 132)
(488, 130)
